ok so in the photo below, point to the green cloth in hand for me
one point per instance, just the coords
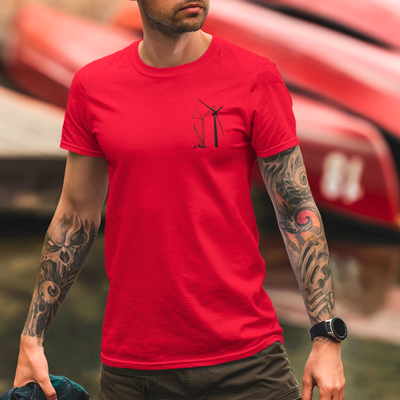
(65, 388)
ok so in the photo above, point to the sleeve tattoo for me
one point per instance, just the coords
(301, 226)
(66, 246)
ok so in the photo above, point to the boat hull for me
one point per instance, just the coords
(350, 167)
(375, 20)
(44, 65)
(356, 75)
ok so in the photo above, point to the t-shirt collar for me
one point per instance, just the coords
(174, 71)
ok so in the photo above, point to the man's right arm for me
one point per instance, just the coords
(68, 241)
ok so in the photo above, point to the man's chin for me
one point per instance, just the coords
(190, 27)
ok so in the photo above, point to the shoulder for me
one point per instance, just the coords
(101, 70)
(248, 63)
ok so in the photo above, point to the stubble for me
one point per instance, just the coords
(172, 23)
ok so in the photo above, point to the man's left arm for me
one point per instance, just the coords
(303, 233)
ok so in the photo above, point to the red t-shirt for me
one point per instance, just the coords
(181, 241)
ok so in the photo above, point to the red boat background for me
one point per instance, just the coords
(359, 76)
(346, 91)
(347, 76)
(375, 21)
(339, 59)
(44, 64)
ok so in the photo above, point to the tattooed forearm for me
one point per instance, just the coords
(302, 230)
(66, 246)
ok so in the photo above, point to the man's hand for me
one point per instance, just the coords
(324, 369)
(32, 367)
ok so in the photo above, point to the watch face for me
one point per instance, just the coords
(339, 328)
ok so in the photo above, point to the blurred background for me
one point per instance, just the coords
(341, 63)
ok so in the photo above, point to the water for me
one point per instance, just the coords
(367, 284)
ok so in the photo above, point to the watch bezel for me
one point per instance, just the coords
(330, 329)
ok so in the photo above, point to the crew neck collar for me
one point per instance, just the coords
(179, 69)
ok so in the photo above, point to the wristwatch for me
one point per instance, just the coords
(334, 327)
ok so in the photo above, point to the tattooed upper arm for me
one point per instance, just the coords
(301, 226)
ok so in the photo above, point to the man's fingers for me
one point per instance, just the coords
(307, 391)
(334, 392)
(45, 385)
(48, 389)
(341, 397)
(339, 394)
(32, 367)
(20, 382)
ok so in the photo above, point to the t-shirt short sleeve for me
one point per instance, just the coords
(77, 135)
(273, 126)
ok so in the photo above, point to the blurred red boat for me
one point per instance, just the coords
(46, 48)
(374, 20)
(357, 75)
(350, 166)
(128, 17)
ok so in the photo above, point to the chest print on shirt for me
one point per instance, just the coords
(198, 117)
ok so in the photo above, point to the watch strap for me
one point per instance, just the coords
(319, 329)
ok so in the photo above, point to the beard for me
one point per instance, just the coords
(172, 23)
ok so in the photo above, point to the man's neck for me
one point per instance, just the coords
(161, 52)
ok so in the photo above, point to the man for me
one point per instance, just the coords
(176, 122)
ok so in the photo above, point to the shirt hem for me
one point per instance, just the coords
(190, 364)
(80, 150)
(277, 149)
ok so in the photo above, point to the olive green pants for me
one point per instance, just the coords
(266, 375)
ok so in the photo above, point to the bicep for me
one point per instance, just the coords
(85, 183)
